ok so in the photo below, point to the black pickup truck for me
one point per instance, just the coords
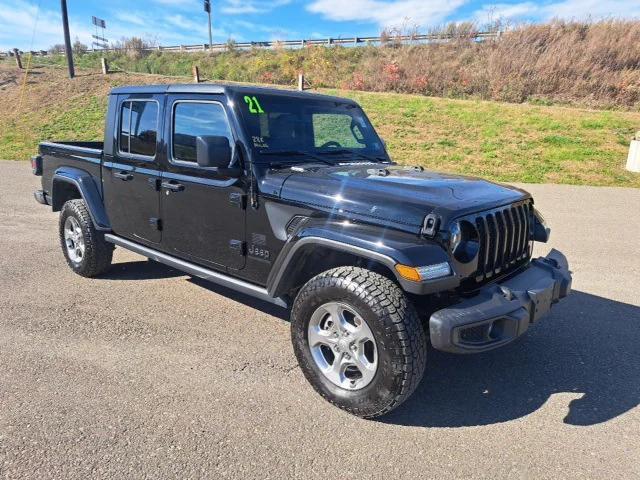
(292, 198)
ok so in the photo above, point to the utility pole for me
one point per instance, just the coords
(67, 38)
(207, 8)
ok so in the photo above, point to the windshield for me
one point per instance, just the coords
(277, 124)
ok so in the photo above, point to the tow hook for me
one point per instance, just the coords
(508, 294)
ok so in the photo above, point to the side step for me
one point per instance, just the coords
(196, 270)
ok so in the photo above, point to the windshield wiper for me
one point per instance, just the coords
(290, 153)
(343, 151)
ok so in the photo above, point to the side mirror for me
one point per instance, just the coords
(213, 152)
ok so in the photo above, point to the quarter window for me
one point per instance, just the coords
(192, 120)
(139, 127)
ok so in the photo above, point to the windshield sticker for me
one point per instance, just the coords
(258, 142)
(254, 104)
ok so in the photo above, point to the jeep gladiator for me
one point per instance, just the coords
(291, 197)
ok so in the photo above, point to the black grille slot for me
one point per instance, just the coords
(504, 236)
(481, 225)
(492, 246)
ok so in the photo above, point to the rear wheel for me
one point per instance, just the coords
(87, 252)
(358, 340)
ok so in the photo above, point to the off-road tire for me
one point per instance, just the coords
(398, 331)
(98, 252)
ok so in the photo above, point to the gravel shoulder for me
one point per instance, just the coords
(147, 372)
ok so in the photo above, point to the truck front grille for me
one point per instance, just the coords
(504, 237)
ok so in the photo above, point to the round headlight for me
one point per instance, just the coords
(464, 242)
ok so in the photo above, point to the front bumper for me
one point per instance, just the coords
(502, 312)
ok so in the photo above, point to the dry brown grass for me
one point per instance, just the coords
(595, 64)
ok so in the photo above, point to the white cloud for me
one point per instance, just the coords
(566, 9)
(593, 8)
(231, 7)
(433, 12)
(507, 11)
(387, 13)
(199, 29)
(175, 3)
(184, 23)
(130, 17)
(18, 19)
(239, 7)
(275, 32)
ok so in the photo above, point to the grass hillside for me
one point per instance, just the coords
(507, 142)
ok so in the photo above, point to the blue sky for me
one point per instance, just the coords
(174, 22)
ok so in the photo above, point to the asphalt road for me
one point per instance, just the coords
(149, 373)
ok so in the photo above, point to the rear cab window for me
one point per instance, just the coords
(138, 133)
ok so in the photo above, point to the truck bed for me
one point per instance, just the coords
(95, 146)
(85, 156)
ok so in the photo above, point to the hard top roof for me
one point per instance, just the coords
(227, 89)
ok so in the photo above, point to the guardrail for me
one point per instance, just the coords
(348, 41)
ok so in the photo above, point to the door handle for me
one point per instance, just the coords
(173, 186)
(124, 176)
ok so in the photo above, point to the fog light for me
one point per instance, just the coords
(428, 272)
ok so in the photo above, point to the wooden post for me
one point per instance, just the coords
(105, 66)
(301, 81)
(18, 59)
(196, 74)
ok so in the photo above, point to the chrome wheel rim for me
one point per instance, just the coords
(74, 240)
(342, 346)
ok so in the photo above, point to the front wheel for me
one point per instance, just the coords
(358, 340)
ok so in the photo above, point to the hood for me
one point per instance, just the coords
(399, 196)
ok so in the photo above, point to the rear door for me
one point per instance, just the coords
(131, 177)
(203, 214)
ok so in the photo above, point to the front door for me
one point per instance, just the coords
(131, 178)
(203, 216)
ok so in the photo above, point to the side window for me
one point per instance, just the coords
(139, 127)
(192, 120)
(336, 127)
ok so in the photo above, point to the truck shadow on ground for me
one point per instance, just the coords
(263, 306)
(140, 270)
(587, 347)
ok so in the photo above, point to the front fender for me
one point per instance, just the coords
(385, 246)
(86, 186)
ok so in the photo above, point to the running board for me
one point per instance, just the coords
(196, 270)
